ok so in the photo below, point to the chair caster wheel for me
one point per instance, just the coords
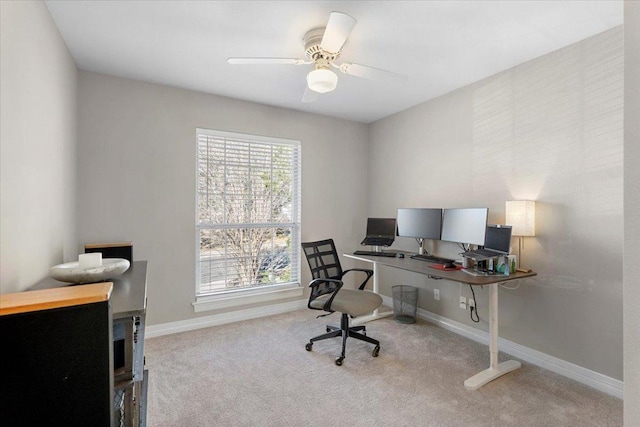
(339, 361)
(328, 329)
(376, 351)
(308, 346)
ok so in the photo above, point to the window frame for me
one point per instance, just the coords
(230, 297)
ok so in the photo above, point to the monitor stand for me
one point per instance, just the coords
(376, 249)
(421, 250)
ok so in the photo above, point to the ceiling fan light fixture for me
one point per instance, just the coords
(322, 80)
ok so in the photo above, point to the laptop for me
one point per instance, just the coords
(497, 242)
(380, 232)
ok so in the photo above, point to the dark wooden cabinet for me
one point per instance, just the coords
(129, 377)
(129, 318)
(57, 357)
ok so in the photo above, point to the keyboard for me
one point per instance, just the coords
(377, 241)
(431, 258)
(475, 272)
(487, 253)
(373, 253)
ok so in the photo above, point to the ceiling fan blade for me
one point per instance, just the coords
(309, 95)
(372, 73)
(338, 29)
(252, 61)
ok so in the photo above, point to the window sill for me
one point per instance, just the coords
(245, 297)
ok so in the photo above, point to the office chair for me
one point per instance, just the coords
(327, 295)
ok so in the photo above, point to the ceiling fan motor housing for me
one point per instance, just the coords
(312, 41)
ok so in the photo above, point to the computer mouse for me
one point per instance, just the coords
(449, 265)
(400, 255)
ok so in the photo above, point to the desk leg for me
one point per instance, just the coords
(495, 369)
(377, 314)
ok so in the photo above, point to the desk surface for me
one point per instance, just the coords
(423, 267)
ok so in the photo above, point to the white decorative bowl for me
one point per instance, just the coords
(72, 273)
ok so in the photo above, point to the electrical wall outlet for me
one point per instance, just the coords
(436, 294)
(472, 303)
(463, 303)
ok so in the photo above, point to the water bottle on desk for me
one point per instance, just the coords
(506, 266)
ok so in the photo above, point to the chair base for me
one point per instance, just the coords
(345, 332)
(351, 328)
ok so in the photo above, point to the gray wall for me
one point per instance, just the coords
(548, 130)
(37, 146)
(137, 156)
(631, 217)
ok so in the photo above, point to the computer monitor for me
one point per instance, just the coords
(465, 225)
(381, 227)
(420, 223)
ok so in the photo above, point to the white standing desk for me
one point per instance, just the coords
(495, 369)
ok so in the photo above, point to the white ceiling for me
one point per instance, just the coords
(438, 45)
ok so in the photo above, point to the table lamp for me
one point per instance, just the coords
(521, 216)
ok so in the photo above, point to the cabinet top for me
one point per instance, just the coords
(107, 245)
(129, 295)
(46, 299)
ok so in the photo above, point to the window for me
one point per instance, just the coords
(248, 213)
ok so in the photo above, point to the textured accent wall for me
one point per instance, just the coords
(549, 130)
(38, 146)
(631, 217)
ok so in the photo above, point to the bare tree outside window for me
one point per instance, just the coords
(248, 212)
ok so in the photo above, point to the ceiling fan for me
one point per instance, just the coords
(322, 48)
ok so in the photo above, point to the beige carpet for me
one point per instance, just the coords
(257, 373)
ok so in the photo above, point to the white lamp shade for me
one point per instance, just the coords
(521, 215)
(322, 80)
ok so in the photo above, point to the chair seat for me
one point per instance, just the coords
(352, 302)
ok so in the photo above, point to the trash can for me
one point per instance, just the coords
(405, 302)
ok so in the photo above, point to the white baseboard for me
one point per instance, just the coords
(222, 318)
(585, 376)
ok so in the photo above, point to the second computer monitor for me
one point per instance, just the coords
(421, 223)
(465, 225)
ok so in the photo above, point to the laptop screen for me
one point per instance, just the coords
(381, 227)
(498, 238)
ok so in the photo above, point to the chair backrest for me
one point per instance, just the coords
(323, 259)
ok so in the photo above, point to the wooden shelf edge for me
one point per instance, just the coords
(107, 245)
(46, 299)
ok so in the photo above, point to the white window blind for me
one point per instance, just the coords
(248, 207)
